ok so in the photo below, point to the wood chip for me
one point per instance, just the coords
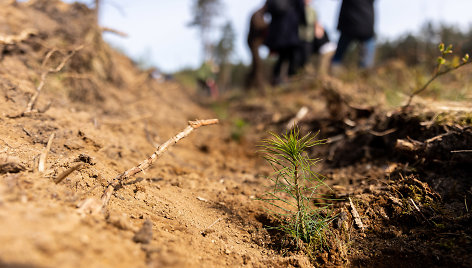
(355, 214)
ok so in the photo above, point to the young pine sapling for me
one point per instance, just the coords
(295, 187)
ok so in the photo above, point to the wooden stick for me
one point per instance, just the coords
(66, 173)
(357, 218)
(215, 222)
(117, 32)
(418, 209)
(44, 74)
(44, 155)
(15, 39)
(118, 180)
(462, 151)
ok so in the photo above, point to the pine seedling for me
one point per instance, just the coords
(295, 187)
(443, 66)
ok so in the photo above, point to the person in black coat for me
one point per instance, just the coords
(356, 23)
(283, 38)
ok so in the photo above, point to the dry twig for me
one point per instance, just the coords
(355, 214)
(66, 173)
(117, 32)
(462, 151)
(46, 71)
(15, 39)
(44, 155)
(94, 207)
(419, 211)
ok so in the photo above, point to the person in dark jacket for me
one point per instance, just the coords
(356, 23)
(258, 29)
(282, 38)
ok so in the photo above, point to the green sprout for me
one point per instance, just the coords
(443, 67)
(295, 185)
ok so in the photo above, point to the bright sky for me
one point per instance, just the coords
(158, 32)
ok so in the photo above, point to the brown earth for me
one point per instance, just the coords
(197, 205)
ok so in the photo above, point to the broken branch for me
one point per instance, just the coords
(462, 151)
(418, 209)
(355, 214)
(44, 155)
(66, 173)
(118, 180)
(45, 73)
(15, 39)
(110, 30)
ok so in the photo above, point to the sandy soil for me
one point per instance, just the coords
(197, 205)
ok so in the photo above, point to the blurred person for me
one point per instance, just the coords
(314, 40)
(356, 23)
(283, 37)
(206, 75)
(307, 34)
(324, 48)
(258, 29)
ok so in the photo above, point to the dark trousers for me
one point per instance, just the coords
(367, 51)
(287, 54)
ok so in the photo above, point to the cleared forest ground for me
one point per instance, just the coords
(406, 172)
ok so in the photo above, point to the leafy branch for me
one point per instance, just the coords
(448, 67)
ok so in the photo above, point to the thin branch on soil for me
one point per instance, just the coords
(409, 146)
(46, 71)
(418, 209)
(44, 155)
(215, 222)
(15, 39)
(355, 214)
(94, 207)
(439, 137)
(110, 30)
(383, 133)
(462, 151)
(66, 173)
(465, 203)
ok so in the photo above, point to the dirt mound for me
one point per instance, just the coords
(405, 171)
(107, 116)
(64, 91)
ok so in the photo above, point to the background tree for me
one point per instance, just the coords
(204, 14)
(223, 52)
(97, 10)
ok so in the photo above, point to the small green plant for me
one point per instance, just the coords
(295, 186)
(238, 129)
(443, 67)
